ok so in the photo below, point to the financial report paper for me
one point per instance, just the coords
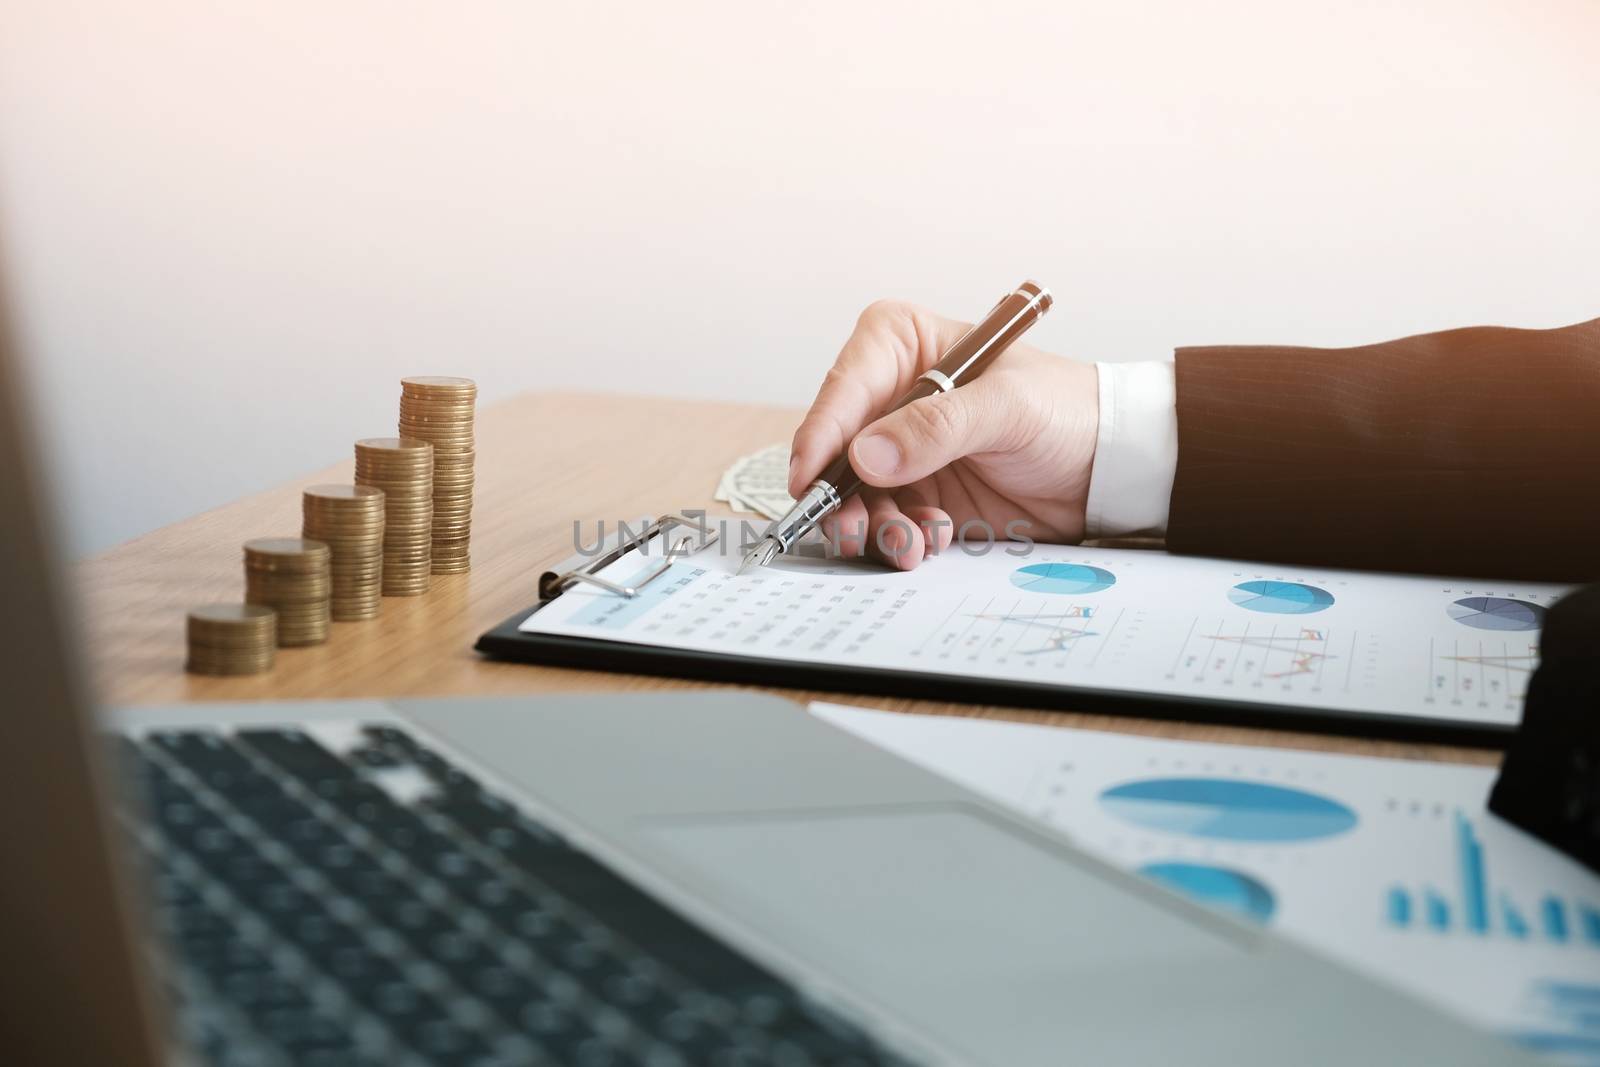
(1395, 867)
(1121, 620)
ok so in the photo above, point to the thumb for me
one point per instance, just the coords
(909, 444)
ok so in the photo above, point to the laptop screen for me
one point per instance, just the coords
(70, 985)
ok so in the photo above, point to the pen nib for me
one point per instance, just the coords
(761, 555)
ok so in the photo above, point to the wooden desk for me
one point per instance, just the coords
(544, 460)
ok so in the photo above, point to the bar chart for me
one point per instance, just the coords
(1395, 867)
(1568, 1016)
(1475, 909)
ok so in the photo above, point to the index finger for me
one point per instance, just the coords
(893, 342)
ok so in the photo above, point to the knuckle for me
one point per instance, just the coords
(839, 377)
(937, 419)
(881, 312)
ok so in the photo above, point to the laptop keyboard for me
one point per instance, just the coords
(379, 906)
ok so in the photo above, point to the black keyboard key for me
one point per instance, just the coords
(298, 753)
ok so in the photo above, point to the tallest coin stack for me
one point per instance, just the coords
(440, 411)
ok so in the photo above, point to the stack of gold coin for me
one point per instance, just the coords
(290, 575)
(439, 411)
(231, 639)
(403, 468)
(349, 520)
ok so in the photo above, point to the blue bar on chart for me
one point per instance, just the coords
(1399, 907)
(1438, 911)
(1474, 893)
(1554, 913)
(1553, 920)
(1573, 1030)
(1515, 924)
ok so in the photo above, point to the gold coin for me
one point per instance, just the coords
(457, 415)
(340, 522)
(342, 495)
(286, 602)
(347, 548)
(232, 615)
(342, 515)
(215, 654)
(439, 422)
(437, 432)
(401, 473)
(226, 670)
(438, 382)
(418, 398)
(383, 445)
(287, 581)
(232, 637)
(196, 664)
(394, 481)
(348, 515)
(445, 445)
(285, 547)
(344, 543)
(202, 654)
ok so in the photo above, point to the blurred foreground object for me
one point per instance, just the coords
(1550, 782)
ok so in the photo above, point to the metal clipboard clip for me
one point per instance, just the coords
(553, 583)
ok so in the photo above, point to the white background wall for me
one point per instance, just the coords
(234, 224)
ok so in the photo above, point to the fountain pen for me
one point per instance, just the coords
(967, 358)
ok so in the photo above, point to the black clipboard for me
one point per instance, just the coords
(508, 641)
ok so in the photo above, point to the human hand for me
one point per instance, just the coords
(1014, 447)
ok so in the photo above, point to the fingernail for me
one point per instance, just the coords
(877, 455)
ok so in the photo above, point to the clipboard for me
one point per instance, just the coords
(679, 535)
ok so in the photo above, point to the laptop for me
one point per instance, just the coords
(695, 879)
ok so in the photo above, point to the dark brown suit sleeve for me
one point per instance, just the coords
(1473, 452)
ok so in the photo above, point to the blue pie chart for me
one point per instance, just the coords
(1280, 598)
(1062, 579)
(1227, 809)
(1497, 613)
(1217, 887)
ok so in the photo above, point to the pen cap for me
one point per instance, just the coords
(1006, 321)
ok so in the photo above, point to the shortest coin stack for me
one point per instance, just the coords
(290, 575)
(231, 639)
(349, 520)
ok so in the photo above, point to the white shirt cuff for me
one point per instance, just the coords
(1136, 452)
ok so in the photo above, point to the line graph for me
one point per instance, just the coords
(1524, 662)
(1303, 658)
(1289, 657)
(1057, 634)
(1483, 673)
